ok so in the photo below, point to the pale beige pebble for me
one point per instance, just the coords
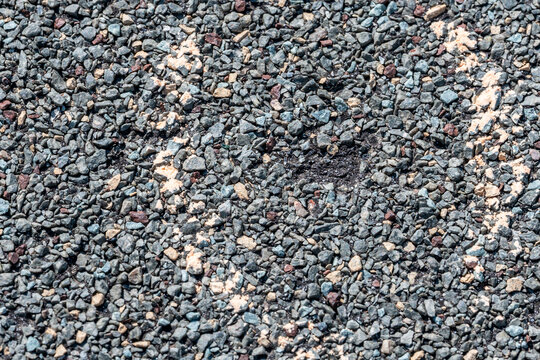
(355, 264)
(271, 297)
(409, 247)
(241, 191)
(141, 344)
(98, 299)
(246, 53)
(21, 118)
(109, 234)
(435, 11)
(57, 171)
(80, 337)
(150, 315)
(500, 267)
(222, 92)
(334, 276)
(98, 73)
(412, 277)
(418, 355)
(60, 351)
(387, 347)
(171, 253)
(276, 105)
(514, 284)
(216, 287)
(470, 261)
(232, 77)
(113, 182)
(193, 260)
(353, 102)
(126, 19)
(247, 242)
(188, 30)
(241, 36)
(48, 292)
(71, 83)
(491, 190)
(122, 328)
(467, 279)
(460, 40)
(389, 246)
(438, 27)
(308, 16)
(400, 306)
(239, 303)
(495, 30)
(471, 355)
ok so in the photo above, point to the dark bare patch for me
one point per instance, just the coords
(318, 166)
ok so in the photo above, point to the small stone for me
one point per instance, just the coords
(514, 284)
(80, 337)
(32, 344)
(213, 38)
(141, 344)
(390, 71)
(355, 264)
(240, 5)
(98, 299)
(222, 92)
(60, 351)
(435, 11)
(241, 191)
(387, 347)
(171, 253)
(194, 163)
(449, 96)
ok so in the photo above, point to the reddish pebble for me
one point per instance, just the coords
(271, 215)
(13, 257)
(195, 176)
(266, 77)
(326, 43)
(291, 330)
(98, 39)
(436, 241)
(441, 49)
(59, 23)
(333, 299)
(4, 104)
(23, 181)
(376, 283)
(288, 268)
(276, 92)
(450, 130)
(79, 70)
(419, 11)
(213, 38)
(139, 216)
(390, 216)
(390, 71)
(10, 114)
(240, 5)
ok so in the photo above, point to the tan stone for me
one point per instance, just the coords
(241, 191)
(80, 337)
(142, 344)
(113, 182)
(222, 92)
(60, 351)
(171, 253)
(514, 284)
(240, 36)
(355, 264)
(435, 11)
(247, 242)
(98, 299)
(418, 355)
(471, 355)
(122, 328)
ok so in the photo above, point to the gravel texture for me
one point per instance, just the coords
(286, 179)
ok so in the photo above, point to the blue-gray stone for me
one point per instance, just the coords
(367, 23)
(516, 38)
(422, 66)
(449, 96)
(530, 114)
(322, 116)
(326, 287)
(514, 330)
(164, 46)
(131, 225)
(93, 229)
(193, 316)
(114, 29)
(251, 318)
(341, 105)
(377, 10)
(392, 8)
(286, 116)
(278, 251)
(32, 344)
(4, 207)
